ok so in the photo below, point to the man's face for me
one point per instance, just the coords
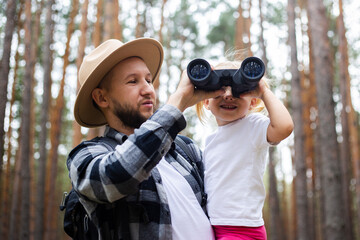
(130, 91)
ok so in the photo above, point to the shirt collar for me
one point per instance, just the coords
(112, 133)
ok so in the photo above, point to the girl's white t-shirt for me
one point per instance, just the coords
(235, 160)
(188, 220)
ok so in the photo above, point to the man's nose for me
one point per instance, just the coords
(147, 87)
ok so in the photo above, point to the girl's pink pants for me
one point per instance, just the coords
(239, 233)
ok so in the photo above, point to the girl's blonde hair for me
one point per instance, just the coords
(259, 105)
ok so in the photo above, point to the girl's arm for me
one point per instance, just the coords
(281, 124)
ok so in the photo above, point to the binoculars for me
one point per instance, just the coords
(241, 80)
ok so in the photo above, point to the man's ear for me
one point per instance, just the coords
(98, 95)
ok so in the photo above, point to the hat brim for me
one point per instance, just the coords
(149, 50)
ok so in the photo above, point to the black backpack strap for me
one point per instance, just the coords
(190, 156)
(189, 153)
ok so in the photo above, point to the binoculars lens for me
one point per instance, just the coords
(252, 69)
(199, 71)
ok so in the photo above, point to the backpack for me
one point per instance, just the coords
(77, 223)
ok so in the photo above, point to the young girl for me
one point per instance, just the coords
(235, 158)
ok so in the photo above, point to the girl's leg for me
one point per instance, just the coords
(239, 233)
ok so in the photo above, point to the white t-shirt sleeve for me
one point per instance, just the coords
(260, 124)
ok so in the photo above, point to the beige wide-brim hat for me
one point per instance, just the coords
(100, 61)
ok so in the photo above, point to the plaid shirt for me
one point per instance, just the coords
(116, 175)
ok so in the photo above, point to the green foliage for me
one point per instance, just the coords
(275, 13)
(224, 31)
(184, 33)
(151, 3)
(182, 25)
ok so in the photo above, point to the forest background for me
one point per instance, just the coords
(311, 50)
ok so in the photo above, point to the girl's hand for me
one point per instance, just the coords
(259, 91)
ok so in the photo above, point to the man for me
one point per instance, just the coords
(131, 181)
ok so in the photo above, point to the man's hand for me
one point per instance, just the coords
(186, 95)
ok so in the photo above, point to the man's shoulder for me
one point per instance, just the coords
(95, 141)
(99, 143)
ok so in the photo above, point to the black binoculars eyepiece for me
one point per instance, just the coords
(241, 80)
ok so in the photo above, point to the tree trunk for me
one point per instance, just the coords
(34, 49)
(302, 213)
(311, 140)
(284, 204)
(16, 198)
(97, 26)
(5, 203)
(168, 60)
(350, 143)
(274, 205)
(138, 30)
(162, 23)
(293, 230)
(330, 166)
(4, 71)
(282, 221)
(55, 131)
(261, 38)
(97, 39)
(247, 31)
(25, 128)
(345, 152)
(44, 119)
(117, 26)
(239, 31)
(77, 136)
(108, 20)
(6, 192)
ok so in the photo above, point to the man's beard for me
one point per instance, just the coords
(130, 117)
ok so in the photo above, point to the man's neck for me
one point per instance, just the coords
(123, 129)
(119, 126)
